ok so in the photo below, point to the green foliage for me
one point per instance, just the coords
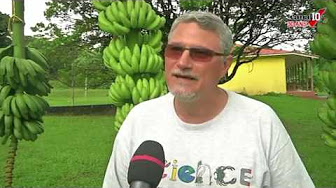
(4, 35)
(195, 4)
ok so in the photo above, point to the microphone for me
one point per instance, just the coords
(146, 166)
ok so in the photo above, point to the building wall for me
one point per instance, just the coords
(264, 75)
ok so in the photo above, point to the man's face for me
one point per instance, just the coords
(190, 76)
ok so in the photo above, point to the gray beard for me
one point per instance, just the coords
(184, 96)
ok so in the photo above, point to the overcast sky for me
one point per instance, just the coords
(33, 12)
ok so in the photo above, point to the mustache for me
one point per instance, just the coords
(186, 74)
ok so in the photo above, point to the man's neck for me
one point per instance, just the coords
(202, 109)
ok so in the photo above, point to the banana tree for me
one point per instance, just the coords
(133, 53)
(23, 82)
(324, 45)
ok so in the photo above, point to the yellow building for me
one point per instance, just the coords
(275, 71)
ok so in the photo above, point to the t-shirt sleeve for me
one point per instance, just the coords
(116, 172)
(286, 168)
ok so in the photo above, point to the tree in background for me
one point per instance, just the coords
(4, 34)
(254, 23)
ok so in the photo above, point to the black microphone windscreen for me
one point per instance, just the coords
(147, 164)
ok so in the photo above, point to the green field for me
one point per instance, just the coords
(74, 150)
(68, 97)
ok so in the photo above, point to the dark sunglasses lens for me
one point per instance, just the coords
(200, 54)
(174, 51)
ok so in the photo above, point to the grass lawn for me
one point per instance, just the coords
(63, 97)
(300, 118)
(74, 150)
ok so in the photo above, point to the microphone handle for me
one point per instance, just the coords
(139, 184)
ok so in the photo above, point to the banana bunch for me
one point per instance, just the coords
(327, 114)
(20, 128)
(146, 89)
(325, 39)
(328, 75)
(121, 114)
(127, 61)
(24, 73)
(120, 91)
(24, 106)
(119, 17)
(21, 115)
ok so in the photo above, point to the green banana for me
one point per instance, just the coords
(32, 127)
(155, 23)
(6, 105)
(120, 44)
(136, 97)
(150, 63)
(128, 55)
(123, 63)
(143, 58)
(17, 128)
(156, 39)
(8, 121)
(104, 24)
(109, 14)
(22, 106)
(121, 9)
(14, 108)
(113, 50)
(129, 7)
(5, 91)
(150, 17)
(328, 140)
(134, 19)
(126, 22)
(32, 107)
(36, 56)
(98, 5)
(135, 64)
(130, 82)
(115, 11)
(142, 16)
(121, 30)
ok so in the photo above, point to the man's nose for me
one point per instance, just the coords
(184, 62)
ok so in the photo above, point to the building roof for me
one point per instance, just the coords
(274, 52)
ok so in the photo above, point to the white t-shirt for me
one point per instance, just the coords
(245, 145)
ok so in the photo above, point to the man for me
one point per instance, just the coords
(211, 137)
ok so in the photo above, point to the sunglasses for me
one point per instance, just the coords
(196, 53)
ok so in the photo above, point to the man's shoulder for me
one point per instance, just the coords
(247, 103)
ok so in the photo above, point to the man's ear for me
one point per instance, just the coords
(227, 64)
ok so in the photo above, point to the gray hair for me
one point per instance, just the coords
(207, 21)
